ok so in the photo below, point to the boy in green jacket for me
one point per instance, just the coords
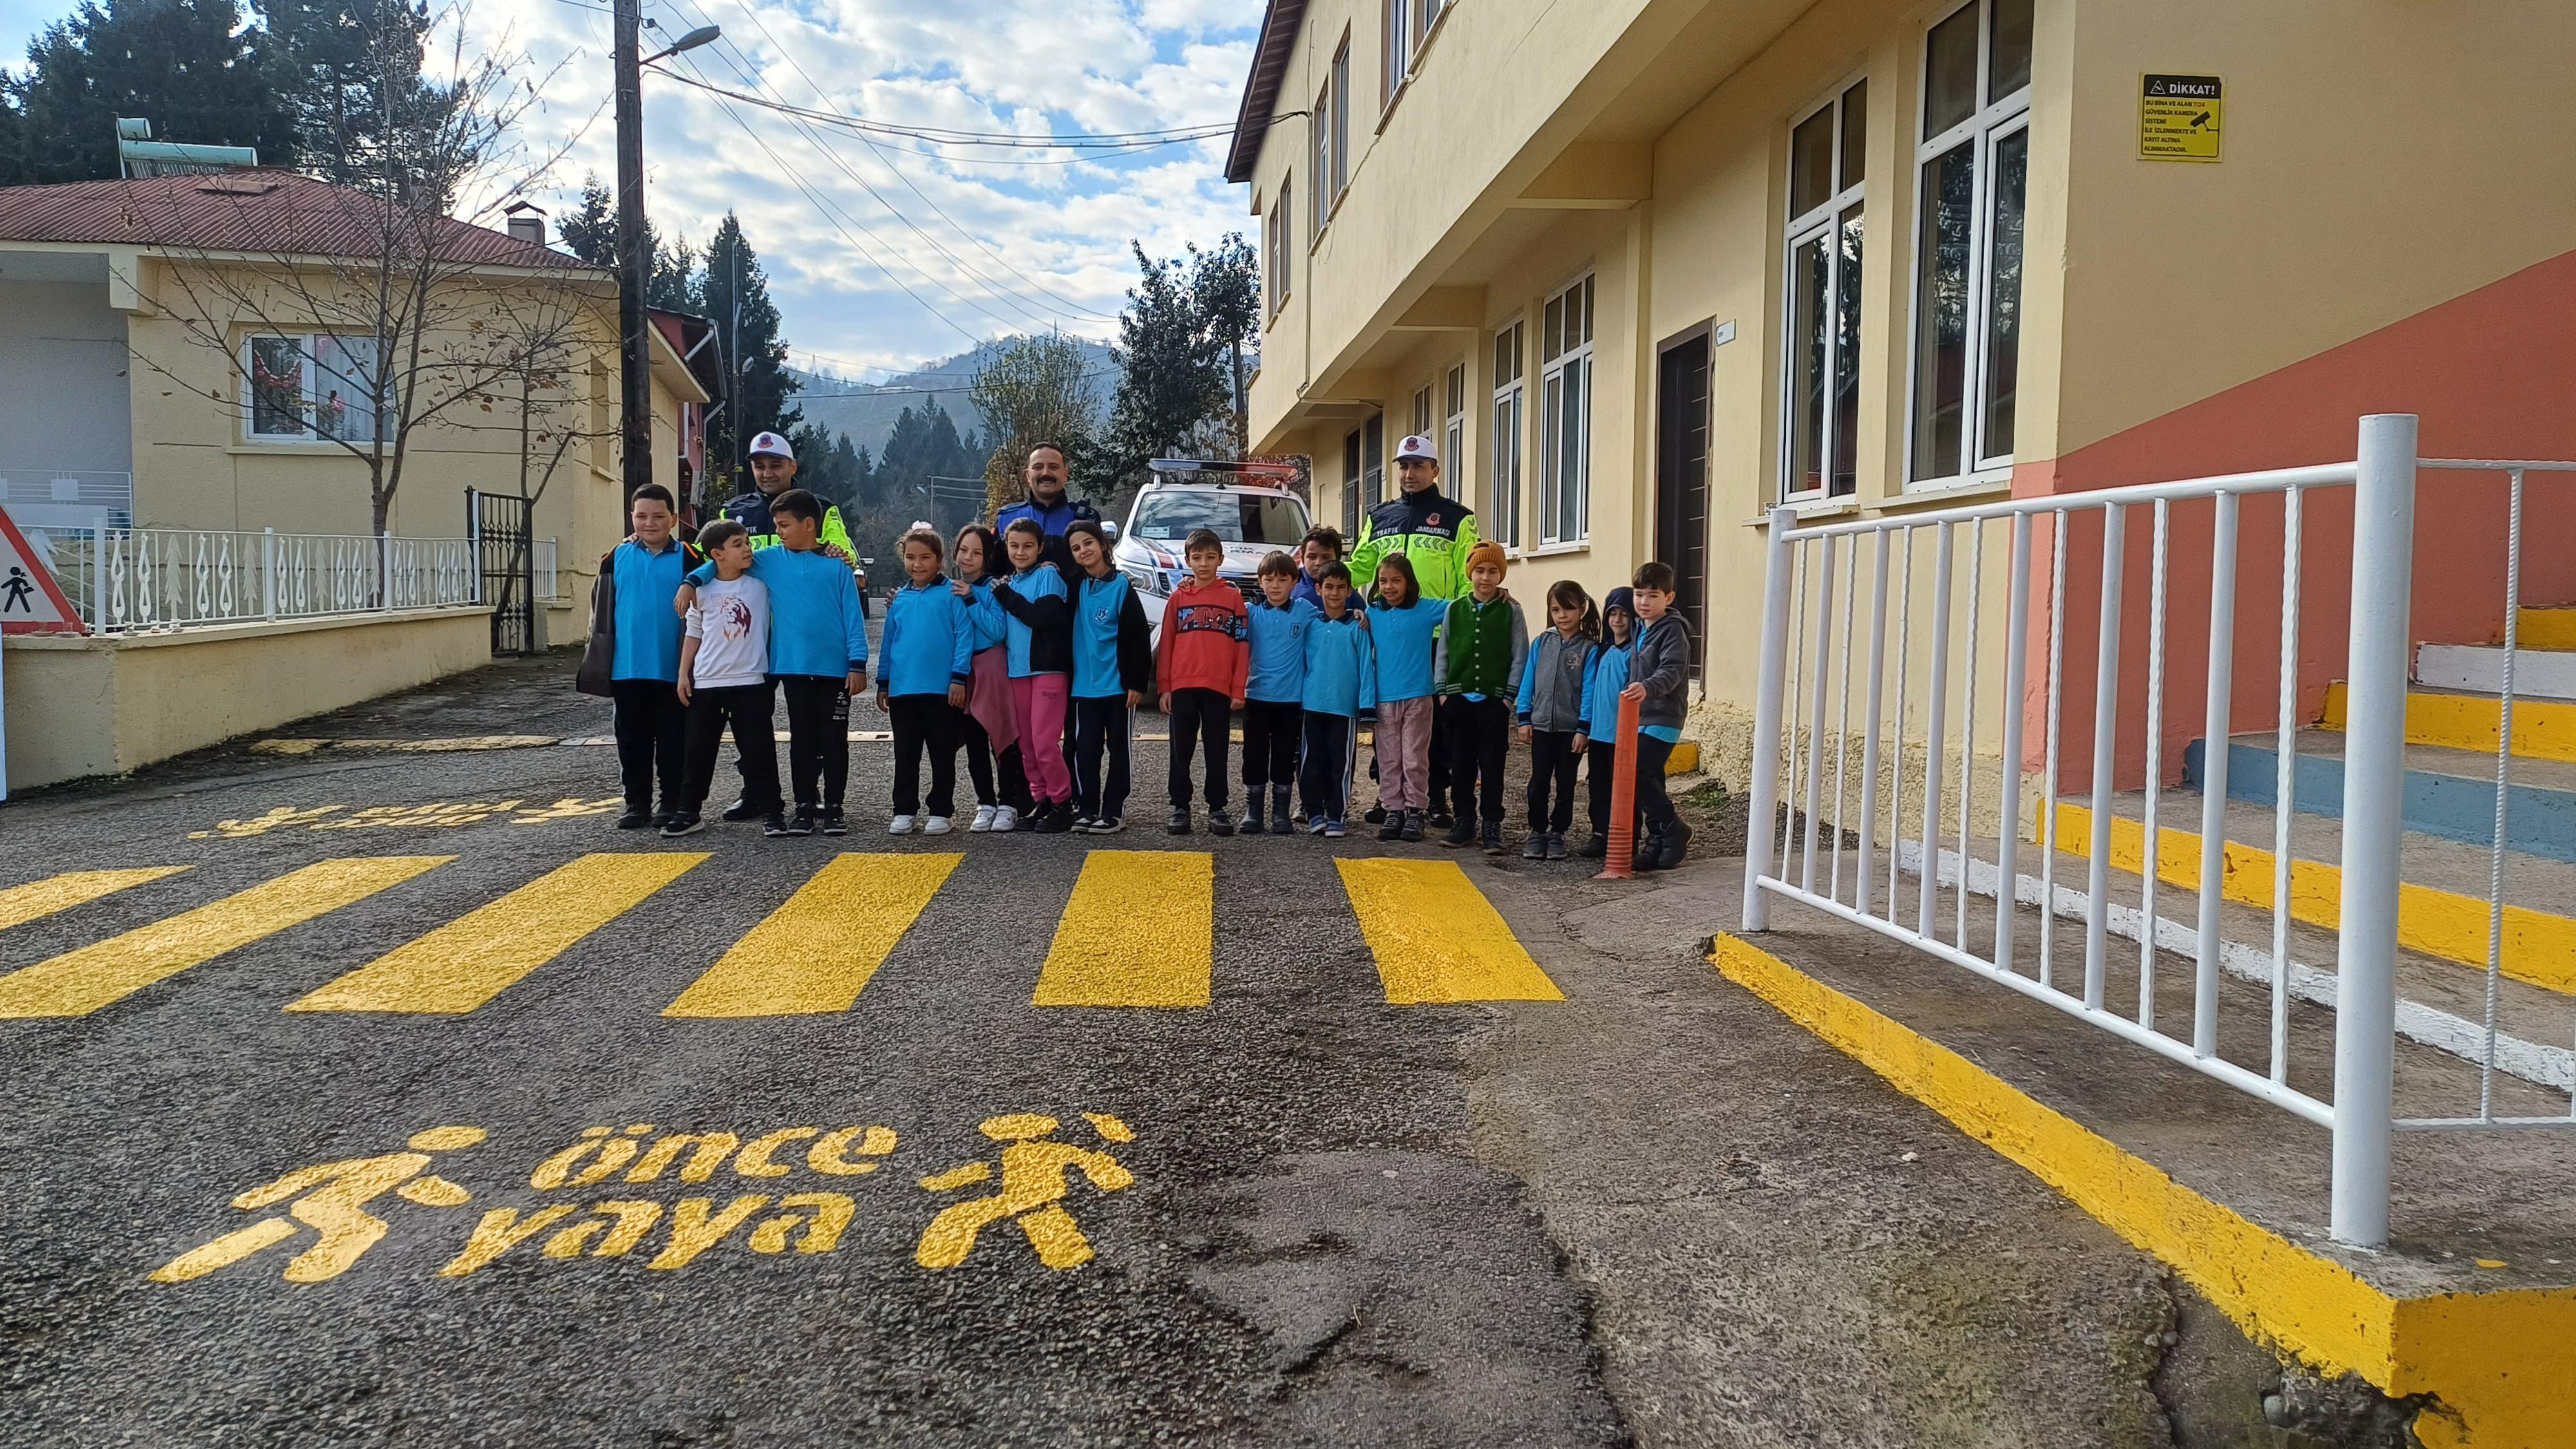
(1482, 647)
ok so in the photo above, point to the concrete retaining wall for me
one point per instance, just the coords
(104, 706)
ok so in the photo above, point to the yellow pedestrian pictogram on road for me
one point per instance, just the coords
(1032, 1191)
(331, 1198)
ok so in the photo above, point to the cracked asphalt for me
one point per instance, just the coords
(1655, 1212)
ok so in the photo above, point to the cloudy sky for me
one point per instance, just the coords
(867, 270)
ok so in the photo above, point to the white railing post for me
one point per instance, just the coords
(268, 573)
(2016, 676)
(2374, 782)
(2215, 737)
(1764, 800)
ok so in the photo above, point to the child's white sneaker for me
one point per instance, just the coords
(900, 825)
(1005, 819)
(983, 820)
(935, 825)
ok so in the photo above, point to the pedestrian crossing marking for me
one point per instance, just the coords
(21, 904)
(1436, 937)
(1139, 931)
(484, 952)
(79, 982)
(815, 953)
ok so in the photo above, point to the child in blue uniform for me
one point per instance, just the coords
(929, 658)
(632, 608)
(1596, 740)
(1273, 693)
(1113, 666)
(1340, 696)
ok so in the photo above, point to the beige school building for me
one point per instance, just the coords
(1649, 268)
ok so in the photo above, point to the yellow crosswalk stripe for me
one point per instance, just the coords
(21, 904)
(1139, 931)
(1436, 937)
(77, 983)
(815, 953)
(480, 954)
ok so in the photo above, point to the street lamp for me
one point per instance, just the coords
(634, 259)
(690, 41)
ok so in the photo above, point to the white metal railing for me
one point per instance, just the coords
(1952, 833)
(147, 580)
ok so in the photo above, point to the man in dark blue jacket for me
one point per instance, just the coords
(1044, 474)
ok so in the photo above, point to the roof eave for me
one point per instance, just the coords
(1279, 25)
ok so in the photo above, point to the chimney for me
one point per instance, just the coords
(527, 223)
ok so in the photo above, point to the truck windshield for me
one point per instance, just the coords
(1269, 518)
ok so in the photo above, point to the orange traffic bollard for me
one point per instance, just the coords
(1623, 798)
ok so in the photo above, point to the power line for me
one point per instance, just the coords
(820, 93)
(1119, 142)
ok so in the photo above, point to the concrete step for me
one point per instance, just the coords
(2449, 793)
(2479, 668)
(2543, 729)
(2442, 909)
(2550, 628)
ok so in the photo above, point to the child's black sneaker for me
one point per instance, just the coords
(1596, 846)
(1252, 818)
(1108, 825)
(1179, 824)
(665, 816)
(1393, 829)
(1375, 815)
(1536, 848)
(834, 822)
(635, 819)
(1440, 820)
(773, 823)
(1280, 824)
(1056, 819)
(1673, 846)
(1082, 824)
(1413, 825)
(742, 810)
(1462, 833)
(1219, 823)
(1555, 845)
(1493, 837)
(800, 823)
(682, 822)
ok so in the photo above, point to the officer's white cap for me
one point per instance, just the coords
(773, 445)
(1417, 446)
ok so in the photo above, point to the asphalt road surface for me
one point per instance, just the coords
(369, 1095)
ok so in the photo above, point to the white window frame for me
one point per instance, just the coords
(314, 394)
(1278, 252)
(1354, 469)
(1993, 121)
(1332, 123)
(1399, 30)
(1453, 431)
(1319, 206)
(1568, 384)
(1510, 420)
(1421, 411)
(1821, 222)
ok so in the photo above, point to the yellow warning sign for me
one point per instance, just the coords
(2179, 117)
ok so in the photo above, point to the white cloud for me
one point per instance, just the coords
(1020, 247)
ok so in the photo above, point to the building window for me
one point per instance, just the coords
(1422, 412)
(1565, 416)
(1351, 485)
(1820, 375)
(311, 387)
(1332, 127)
(1400, 35)
(1503, 499)
(1453, 441)
(1275, 236)
(1974, 164)
(1373, 460)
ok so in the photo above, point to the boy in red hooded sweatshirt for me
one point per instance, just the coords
(1202, 659)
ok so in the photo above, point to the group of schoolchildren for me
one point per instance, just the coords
(1032, 654)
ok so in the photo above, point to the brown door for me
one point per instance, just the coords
(1681, 480)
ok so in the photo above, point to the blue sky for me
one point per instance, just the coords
(1020, 248)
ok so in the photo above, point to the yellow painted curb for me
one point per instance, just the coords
(2539, 948)
(2495, 1364)
(2543, 729)
(2545, 629)
(1684, 758)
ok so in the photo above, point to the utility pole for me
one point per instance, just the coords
(634, 257)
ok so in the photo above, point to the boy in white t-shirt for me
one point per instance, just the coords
(724, 680)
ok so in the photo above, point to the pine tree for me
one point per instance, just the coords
(590, 233)
(751, 338)
(1225, 291)
(1171, 376)
(350, 71)
(187, 66)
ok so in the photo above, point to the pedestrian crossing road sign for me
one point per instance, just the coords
(30, 601)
